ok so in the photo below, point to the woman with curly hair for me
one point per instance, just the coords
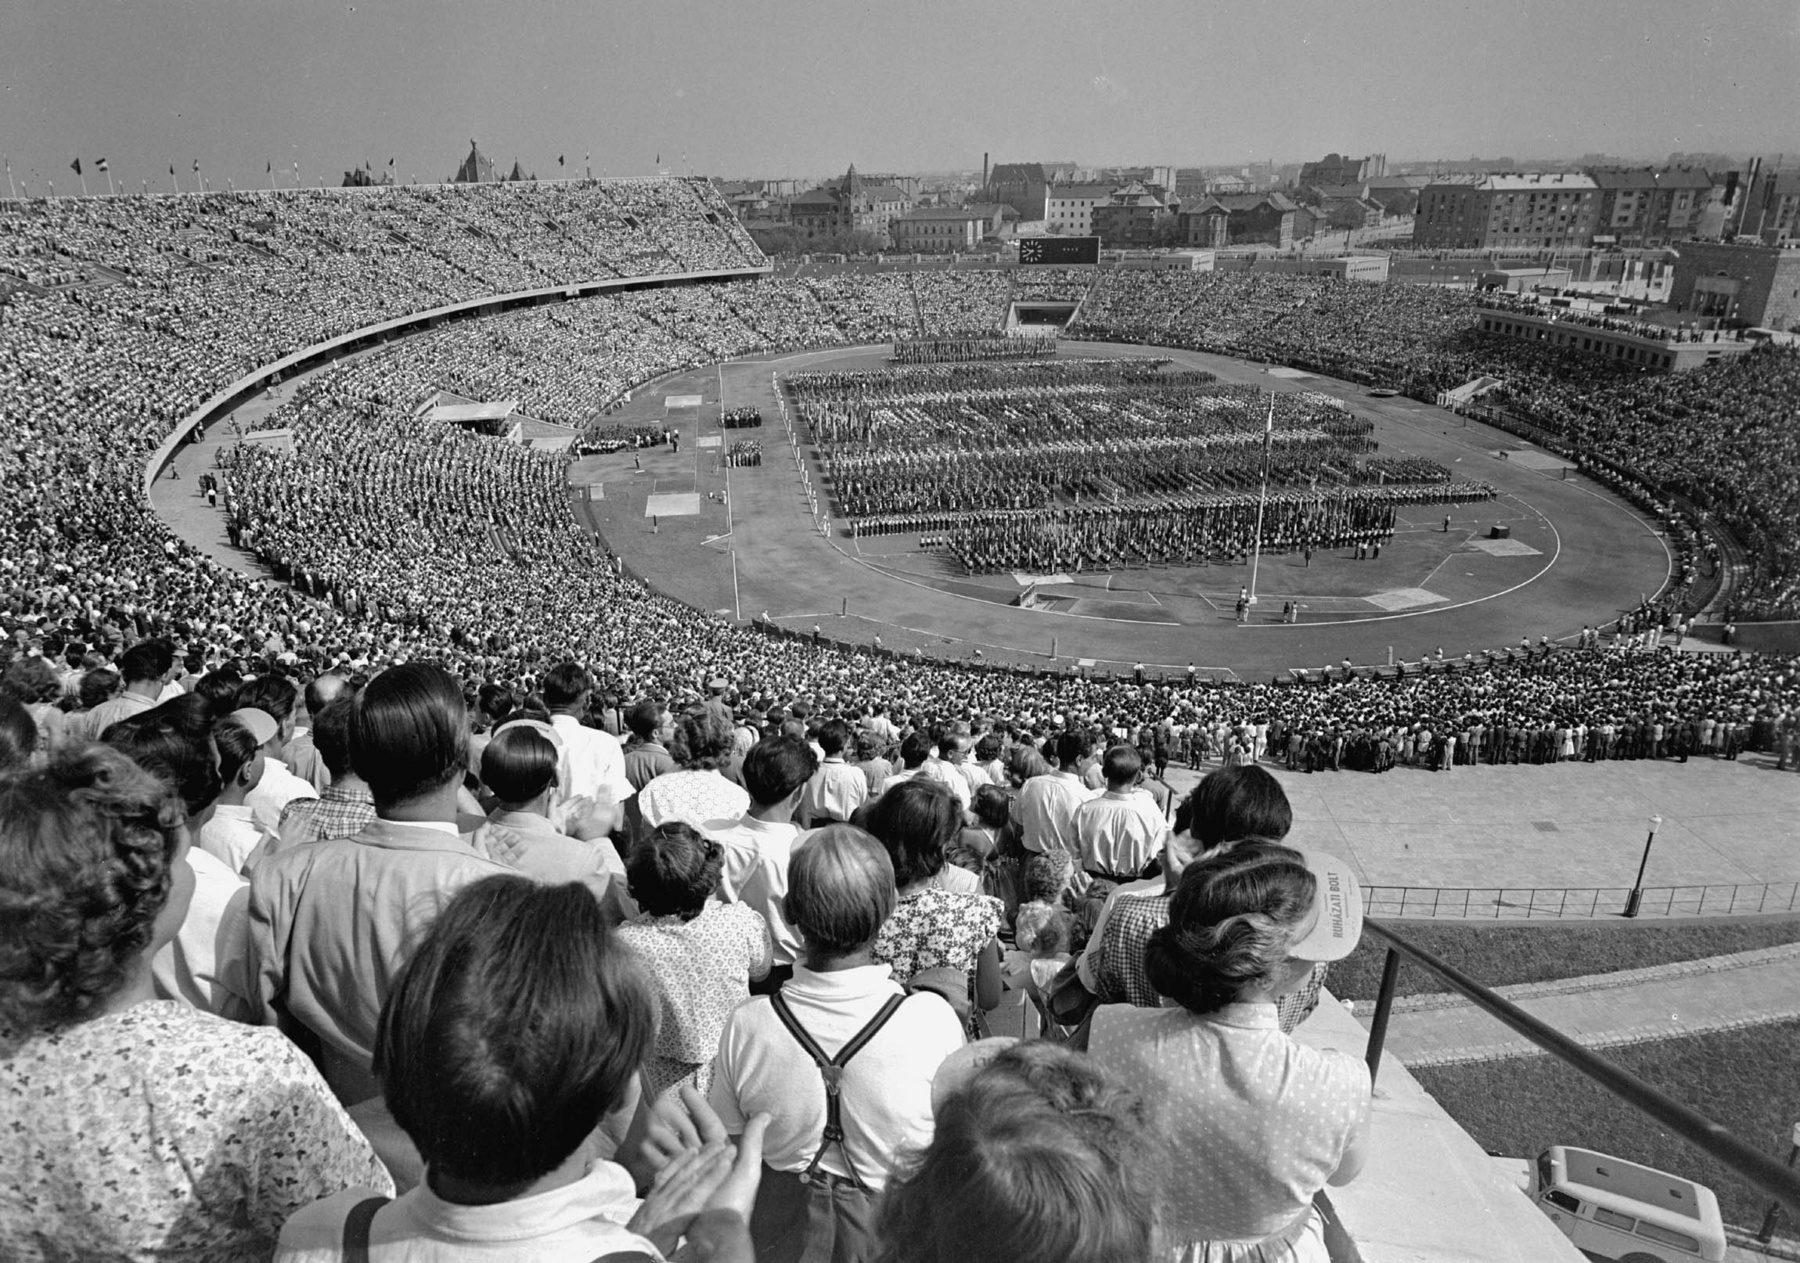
(697, 790)
(30, 681)
(132, 1127)
(1262, 1122)
(701, 955)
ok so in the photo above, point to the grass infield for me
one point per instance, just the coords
(1747, 1080)
(1497, 955)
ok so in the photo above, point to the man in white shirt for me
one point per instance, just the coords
(232, 834)
(1047, 804)
(913, 753)
(756, 845)
(274, 696)
(146, 667)
(1122, 830)
(596, 759)
(837, 789)
(841, 890)
(939, 766)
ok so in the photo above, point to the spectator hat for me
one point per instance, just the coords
(260, 723)
(1337, 915)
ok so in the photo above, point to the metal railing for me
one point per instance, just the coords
(1502, 902)
(1758, 1168)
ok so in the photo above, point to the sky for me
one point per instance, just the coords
(764, 88)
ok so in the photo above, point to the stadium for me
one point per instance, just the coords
(503, 428)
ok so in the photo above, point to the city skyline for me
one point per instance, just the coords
(810, 88)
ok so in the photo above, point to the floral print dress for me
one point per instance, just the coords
(162, 1131)
(937, 929)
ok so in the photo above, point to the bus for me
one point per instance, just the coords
(1613, 1209)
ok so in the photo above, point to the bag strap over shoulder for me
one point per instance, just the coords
(356, 1228)
(831, 1069)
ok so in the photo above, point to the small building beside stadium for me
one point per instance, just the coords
(1738, 283)
(943, 229)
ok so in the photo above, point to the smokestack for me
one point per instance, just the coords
(1749, 187)
(984, 174)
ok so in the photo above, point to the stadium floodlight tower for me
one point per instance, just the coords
(1262, 500)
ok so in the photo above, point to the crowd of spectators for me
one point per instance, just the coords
(501, 1002)
(358, 515)
(271, 976)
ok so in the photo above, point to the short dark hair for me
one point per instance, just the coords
(88, 848)
(97, 686)
(565, 684)
(777, 766)
(673, 871)
(220, 689)
(331, 732)
(146, 660)
(643, 718)
(1071, 748)
(915, 750)
(237, 748)
(272, 694)
(992, 806)
(517, 1025)
(915, 820)
(519, 763)
(835, 736)
(1121, 764)
(175, 741)
(494, 702)
(18, 732)
(1235, 802)
(840, 889)
(410, 733)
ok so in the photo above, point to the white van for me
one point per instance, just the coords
(1613, 1209)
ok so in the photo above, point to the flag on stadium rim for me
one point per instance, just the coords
(101, 165)
(559, 160)
(196, 164)
(76, 166)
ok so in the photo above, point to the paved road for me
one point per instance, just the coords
(1606, 1010)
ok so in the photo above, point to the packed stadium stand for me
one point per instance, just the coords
(415, 921)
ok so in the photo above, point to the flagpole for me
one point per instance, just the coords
(172, 179)
(1263, 499)
(110, 190)
(82, 176)
(12, 190)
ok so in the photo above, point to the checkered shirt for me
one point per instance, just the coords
(338, 812)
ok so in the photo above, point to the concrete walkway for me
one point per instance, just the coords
(1605, 1010)
(1578, 826)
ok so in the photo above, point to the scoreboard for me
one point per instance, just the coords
(1059, 251)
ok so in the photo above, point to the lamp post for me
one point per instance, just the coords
(1774, 1213)
(1637, 889)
